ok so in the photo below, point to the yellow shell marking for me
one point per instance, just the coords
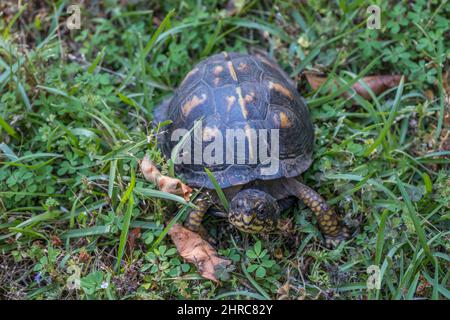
(284, 121)
(191, 104)
(232, 71)
(279, 88)
(242, 103)
(217, 70)
(249, 97)
(230, 102)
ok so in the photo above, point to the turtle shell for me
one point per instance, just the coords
(238, 92)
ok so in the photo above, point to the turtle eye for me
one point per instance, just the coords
(239, 204)
(260, 208)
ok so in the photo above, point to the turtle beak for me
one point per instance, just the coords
(248, 218)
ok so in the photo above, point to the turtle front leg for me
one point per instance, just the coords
(329, 223)
(195, 217)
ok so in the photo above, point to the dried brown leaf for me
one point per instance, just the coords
(56, 241)
(164, 183)
(197, 251)
(132, 236)
(315, 80)
(283, 291)
(377, 83)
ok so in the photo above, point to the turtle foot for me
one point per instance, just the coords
(332, 241)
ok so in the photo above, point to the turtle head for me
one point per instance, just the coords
(254, 211)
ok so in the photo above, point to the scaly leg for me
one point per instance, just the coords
(329, 222)
(194, 219)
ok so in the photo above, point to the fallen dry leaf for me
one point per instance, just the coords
(283, 291)
(315, 80)
(422, 287)
(164, 183)
(197, 251)
(83, 256)
(56, 241)
(132, 236)
(429, 94)
(377, 83)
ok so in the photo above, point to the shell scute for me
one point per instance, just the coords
(242, 92)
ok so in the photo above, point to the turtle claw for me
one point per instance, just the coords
(332, 242)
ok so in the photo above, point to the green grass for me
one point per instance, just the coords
(75, 119)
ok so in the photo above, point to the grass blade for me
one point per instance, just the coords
(124, 233)
(128, 192)
(212, 40)
(152, 193)
(389, 121)
(128, 196)
(97, 60)
(341, 90)
(219, 191)
(416, 221)
(112, 178)
(440, 54)
(381, 237)
(254, 283)
(164, 24)
(13, 20)
(8, 152)
(86, 232)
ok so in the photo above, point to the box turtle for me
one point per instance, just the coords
(238, 93)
